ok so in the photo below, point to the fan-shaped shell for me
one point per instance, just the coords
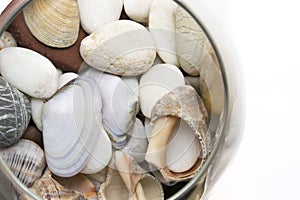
(15, 113)
(53, 22)
(25, 159)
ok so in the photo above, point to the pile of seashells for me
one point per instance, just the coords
(94, 105)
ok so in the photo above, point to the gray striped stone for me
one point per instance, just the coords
(15, 113)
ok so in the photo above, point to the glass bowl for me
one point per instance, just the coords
(226, 133)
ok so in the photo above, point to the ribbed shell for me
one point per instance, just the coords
(25, 159)
(15, 113)
(53, 22)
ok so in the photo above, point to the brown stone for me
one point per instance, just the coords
(66, 59)
(33, 134)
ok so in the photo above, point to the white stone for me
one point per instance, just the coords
(155, 83)
(183, 149)
(162, 27)
(95, 13)
(138, 10)
(122, 47)
(7, 40)
(28, 71)
(37, 112)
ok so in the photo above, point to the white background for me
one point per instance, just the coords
(266, 35)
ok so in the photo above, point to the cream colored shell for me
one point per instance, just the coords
(53, 22)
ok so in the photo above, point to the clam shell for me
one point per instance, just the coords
(102, 49)
(137, 144)
(66, 78)
(133, 83)
(155, 83)
(126, 179)
(95, 13)
(53, 22)
(25, 159)
(28, 71)
(74, 113)
(48, 188)
(185, 103)
(163, 31)
(7, 40)
(119, 103)
(14, 113)
(138, 10)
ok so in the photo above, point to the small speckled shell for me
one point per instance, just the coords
(185, 103)
(15, 113)
(25, 159)
(53, 22)
(7, 40)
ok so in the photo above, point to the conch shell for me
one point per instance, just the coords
(181, 103)
(53, 22)
(127, 180)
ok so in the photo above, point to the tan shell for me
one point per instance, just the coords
(25, 159)
(182, 102)
(127, 180)
(48, 188)
(53, 22)
(79, 183)
(192, 44)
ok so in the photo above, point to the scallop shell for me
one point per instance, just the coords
(25, 159)
(155, 83)
(15, 113)
(7, 40)
(183, 102)
(163, 31)
(119, 104)
(137, 143)
(102, 49)
(74, 114)
(53, 22)
(127, 180)
(48, 188)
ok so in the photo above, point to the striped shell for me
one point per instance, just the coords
(53, 22)
(25, 159)
(15, 113)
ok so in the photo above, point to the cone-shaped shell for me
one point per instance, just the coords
(126, 179)
(53, 22)
(25, 159)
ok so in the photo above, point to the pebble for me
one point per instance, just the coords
(138, 10)
(14, 113)
(95, 13)
(29, 71)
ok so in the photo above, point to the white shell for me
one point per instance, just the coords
(133, 83)
(183, 149)
(7, 40)
(102, 49)
(155, 83)
(95, 13)
(25, 159)
(162, 28)
(36, 112)
(28, 71)
(72, 129)
(118, 107)
(138, 10)
(66, 78)
(137, 144)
